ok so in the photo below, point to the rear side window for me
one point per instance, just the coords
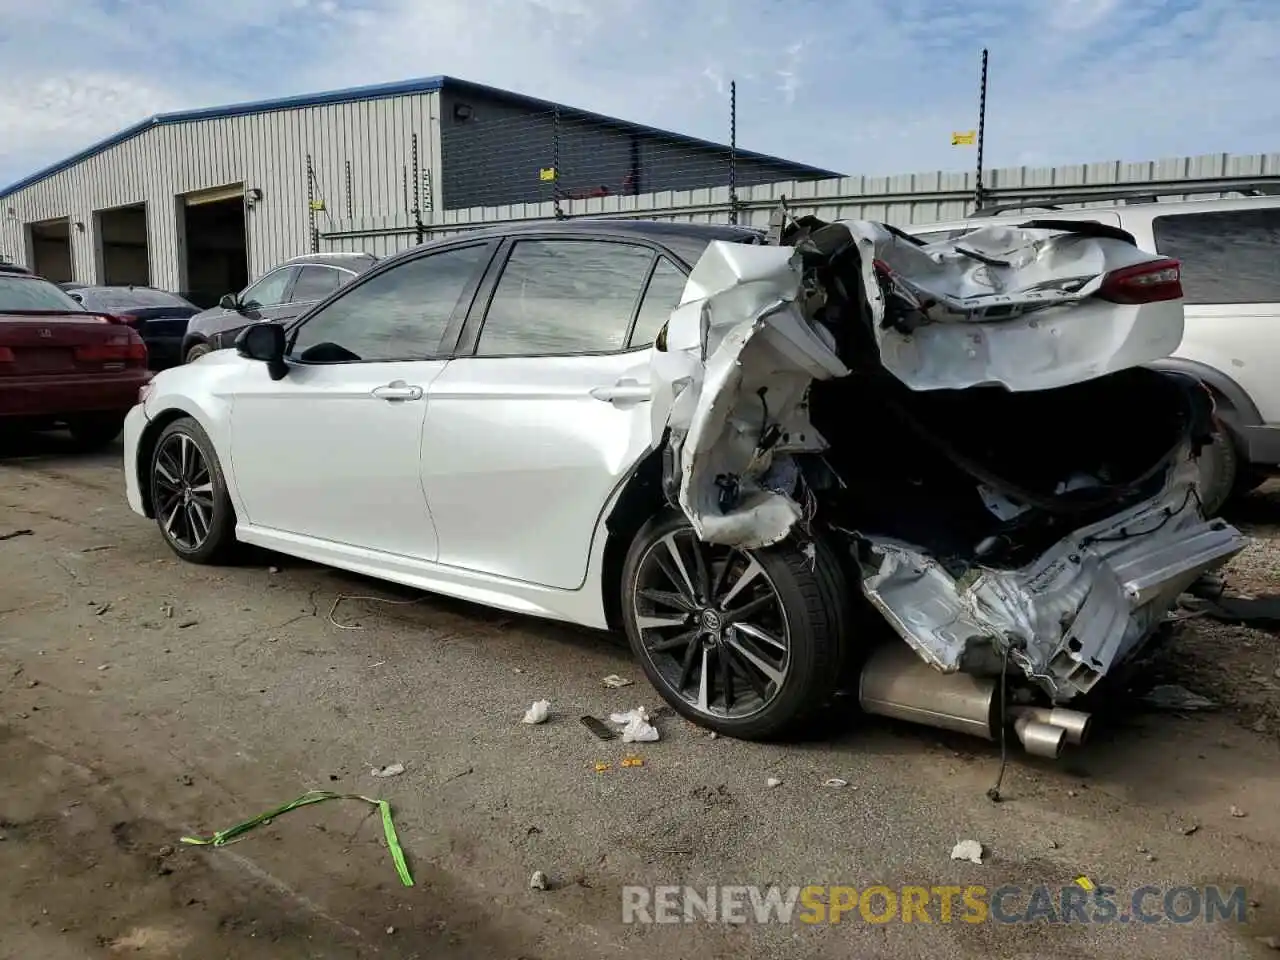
(1231, 256)
(315, 283)
(564, 297)
(662, 296)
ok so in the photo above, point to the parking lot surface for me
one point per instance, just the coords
(143, 699)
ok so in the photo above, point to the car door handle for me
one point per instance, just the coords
(624, 391)
(398, 390)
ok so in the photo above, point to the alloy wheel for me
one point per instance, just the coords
(184, 492)
(712, 624)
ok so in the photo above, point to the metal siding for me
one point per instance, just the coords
(267, 151)
(900, 200)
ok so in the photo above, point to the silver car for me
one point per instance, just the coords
(279, 295)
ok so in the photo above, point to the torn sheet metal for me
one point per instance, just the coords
(739, 360)
(1084, 605)
(741, 350)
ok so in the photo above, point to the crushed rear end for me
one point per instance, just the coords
(973, 421)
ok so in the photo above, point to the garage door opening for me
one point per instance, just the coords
(217, 253)
(50, 244)
(122, 246)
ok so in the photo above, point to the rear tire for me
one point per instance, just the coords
(96, 430)
(773, 620)
(198, 351)
(189, 494)
(1220, 469)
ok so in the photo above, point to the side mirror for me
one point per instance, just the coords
(76, 297)
(265, 342)
(229, 301)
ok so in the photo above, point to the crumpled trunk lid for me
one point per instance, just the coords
(1003, 308)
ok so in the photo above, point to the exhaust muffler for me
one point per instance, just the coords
(896, 683)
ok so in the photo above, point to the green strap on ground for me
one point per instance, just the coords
(315, 796)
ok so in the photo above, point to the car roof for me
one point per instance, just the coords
(348, 260)
(659, 231)
(114, 286)
(14, 269)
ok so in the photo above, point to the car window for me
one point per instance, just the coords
(662, 296)
(269, 291)
(127, 298)
(564, 297)
(315, 283)
(24, 292)
(1230, 256)
(400, 314)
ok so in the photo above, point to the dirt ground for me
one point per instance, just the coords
(142, 699)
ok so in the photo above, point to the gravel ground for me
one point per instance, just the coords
(142, 699)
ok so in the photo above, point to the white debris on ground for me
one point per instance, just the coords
(835, 782)
(970, 850)
(636, 727)
(539, 881)
(537, 713)
(773, 782)
(390, 770)
(615, 682)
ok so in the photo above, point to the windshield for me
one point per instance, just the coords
(122, 299)
(32, 293)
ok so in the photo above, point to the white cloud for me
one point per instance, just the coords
(865, 86)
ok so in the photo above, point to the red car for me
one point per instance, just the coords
(62, 364)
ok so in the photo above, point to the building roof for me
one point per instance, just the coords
(377, 92)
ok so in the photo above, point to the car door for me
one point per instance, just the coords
(531, 431)
(332, 450)
(1231, 284)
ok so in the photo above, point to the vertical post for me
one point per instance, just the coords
(555, 163)
(350, 208)
(311, 207)
(417, 208)
(733, 151)
(979, 193)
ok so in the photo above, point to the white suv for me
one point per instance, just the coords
(1230, 255)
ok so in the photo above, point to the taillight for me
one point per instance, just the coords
(128, 350)
(1144, 283)
(128, 319)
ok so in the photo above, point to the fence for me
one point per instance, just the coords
(900, 200)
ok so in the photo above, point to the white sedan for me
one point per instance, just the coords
(761, 457)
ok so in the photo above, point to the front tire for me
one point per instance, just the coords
(189, 494)
(198, 351)
(747, 643)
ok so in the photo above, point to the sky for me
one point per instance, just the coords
(861, 86)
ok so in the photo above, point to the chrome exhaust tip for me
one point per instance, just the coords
(1040, 739)
(1075, 723)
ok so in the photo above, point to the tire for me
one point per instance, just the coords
(192, 507)
(196, 352)
(1220, 469)
(95, 431)
(797, 601)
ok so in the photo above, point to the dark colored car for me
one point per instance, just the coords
(279, 295)
(62, 364)
(159, 317)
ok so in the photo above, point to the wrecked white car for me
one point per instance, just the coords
(760, 459)
(960, 437)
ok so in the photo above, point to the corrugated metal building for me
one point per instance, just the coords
(203, 201)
